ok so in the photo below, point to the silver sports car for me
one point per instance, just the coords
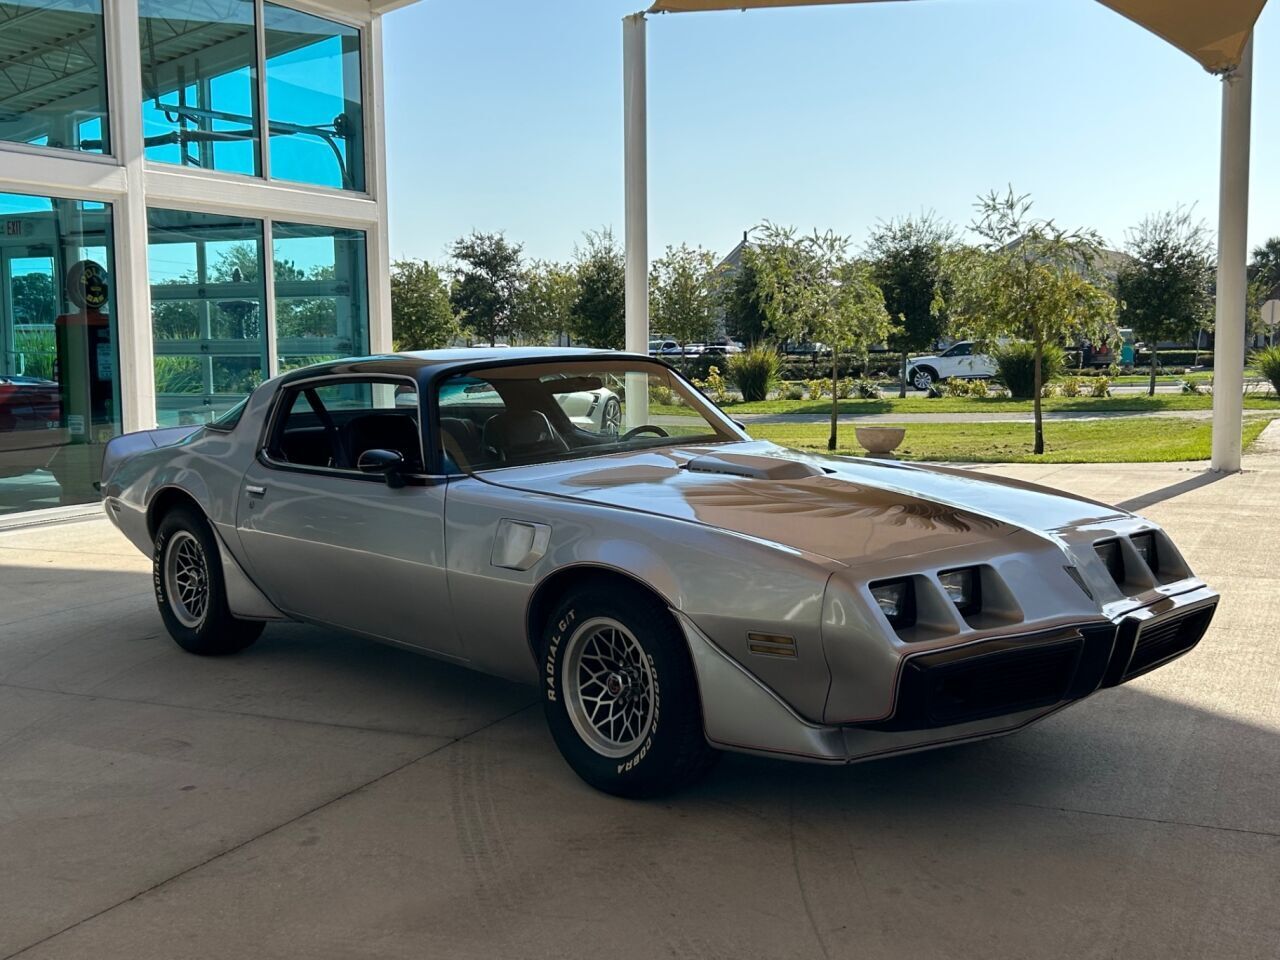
(674, 587)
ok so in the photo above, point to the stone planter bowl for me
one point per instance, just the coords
(880, 441)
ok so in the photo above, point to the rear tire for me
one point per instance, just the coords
(190, 592)
(620, 693)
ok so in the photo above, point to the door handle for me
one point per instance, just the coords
(253, 490)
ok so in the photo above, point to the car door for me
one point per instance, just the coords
(328, 543)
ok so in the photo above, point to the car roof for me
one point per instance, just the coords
(411, 363)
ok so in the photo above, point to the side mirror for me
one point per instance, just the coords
(389, 463)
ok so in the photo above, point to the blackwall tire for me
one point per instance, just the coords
(190, 592)
(620, 694)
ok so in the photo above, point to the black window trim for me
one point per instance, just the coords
(291, 388)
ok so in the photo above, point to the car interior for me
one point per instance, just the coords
(317, 434)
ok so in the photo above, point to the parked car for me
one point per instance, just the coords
(958, 360)
(805, 349)
(29, 403)
(672, 348)
(674, 590)
(724, 349)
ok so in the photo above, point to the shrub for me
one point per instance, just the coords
(955, 387)
(1071, 386)
(1267, 361)
(755, 371)
(818, 389)
(844, 388)
(794, 391)
(661, 394)
(1101, 387)
(1015, 362)
(1196, 385)
(714, 386)
(866, 389)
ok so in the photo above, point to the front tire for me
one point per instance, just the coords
(190, 591)
(922, 378)
(620, 694)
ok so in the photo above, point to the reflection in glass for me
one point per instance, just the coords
(199, 83)
(59, 400)
(321, 301)
(53, 80)
(207, 295)
(313, 95)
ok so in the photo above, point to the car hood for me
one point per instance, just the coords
(850, 510)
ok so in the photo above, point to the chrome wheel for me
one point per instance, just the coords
(922, 380)
(611, 418)
(609, 687)
(186, 579)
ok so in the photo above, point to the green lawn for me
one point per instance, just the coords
(919, 404)
(1139, 440)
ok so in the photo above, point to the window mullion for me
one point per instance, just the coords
(264, 118)
(269, 297)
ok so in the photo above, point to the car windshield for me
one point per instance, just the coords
(565, 410)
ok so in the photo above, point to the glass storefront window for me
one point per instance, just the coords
(53, 80)
(200, 83)
(59, 395)
(321, 301)
(207, 318)
(313, 96)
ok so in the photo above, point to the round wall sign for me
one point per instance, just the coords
(87, 284)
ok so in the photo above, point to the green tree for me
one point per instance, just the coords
(1028, 280)
(682, 294)
(544, 309)
(421, 313)
(1164, 290)
(599, 309)
(811, 288)
(1265, 269)
(907, 263)
(487, 285)
(34, 298)
(744, 314)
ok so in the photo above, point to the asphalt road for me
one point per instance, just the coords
(323, 797)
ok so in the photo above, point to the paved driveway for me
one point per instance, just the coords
(324, 797)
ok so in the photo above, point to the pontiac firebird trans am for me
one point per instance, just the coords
(673, 586)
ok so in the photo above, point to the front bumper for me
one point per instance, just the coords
(981, 689)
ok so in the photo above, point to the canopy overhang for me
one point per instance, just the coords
(1212, 32)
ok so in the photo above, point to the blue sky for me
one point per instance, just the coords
(507, 115)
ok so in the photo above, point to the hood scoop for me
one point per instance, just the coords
(753, 468)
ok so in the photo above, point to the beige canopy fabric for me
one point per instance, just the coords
(1213, 32)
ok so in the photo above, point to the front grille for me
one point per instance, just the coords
(1003, 683)
(1163, 640)
(998, 676)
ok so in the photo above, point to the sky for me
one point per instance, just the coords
(506, 115)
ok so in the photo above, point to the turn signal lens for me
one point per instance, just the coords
(963, 587)
(896, 602)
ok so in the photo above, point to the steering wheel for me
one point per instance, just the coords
(643, 428)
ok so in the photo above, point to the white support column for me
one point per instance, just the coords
(637, 210)
(378, 245)
(137, 381)
(1233, 220)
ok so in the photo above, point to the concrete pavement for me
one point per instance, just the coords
(323, 797)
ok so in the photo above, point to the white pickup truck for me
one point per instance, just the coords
(958, 360)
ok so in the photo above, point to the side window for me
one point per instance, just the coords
(466, 406)
(960, 350)
(332, 424)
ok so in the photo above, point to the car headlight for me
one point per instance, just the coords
(1109, 553)
(896, 600)
(1145, 544)
(964, 588)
